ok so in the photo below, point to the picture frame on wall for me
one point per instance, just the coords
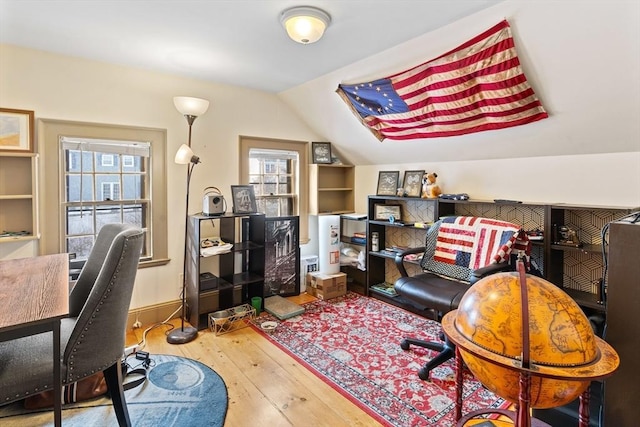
(282, 256)
(387, 183)
(384, 212)
(412, 183)
(321, 152)
(244, 199)
(16, 130)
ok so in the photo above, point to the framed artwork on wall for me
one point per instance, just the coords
(16, 130)
(387, 183)
(384, 212)
(282, 256)
(413, 183)
(244, 199)
(321, 152)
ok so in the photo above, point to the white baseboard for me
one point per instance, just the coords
(152, 314)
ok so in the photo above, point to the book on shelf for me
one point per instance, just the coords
(359, 240)
(385, 288)
(360, 234)
(354, 215)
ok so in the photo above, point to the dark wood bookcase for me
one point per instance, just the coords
(239, 273)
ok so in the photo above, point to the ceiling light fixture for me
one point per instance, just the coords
(305, 24)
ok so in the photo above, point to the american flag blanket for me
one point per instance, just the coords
(474, 242)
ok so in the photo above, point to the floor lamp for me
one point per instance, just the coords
(191, 108)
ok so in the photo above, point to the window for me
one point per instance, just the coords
(106, 174)
(110, 191)
(273, 176)
(92, 195)
(107, 160)
(277, 169)
(127, 162)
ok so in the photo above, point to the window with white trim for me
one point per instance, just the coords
(107, 160)
(110, 191)
(99, 189)
(128, 162)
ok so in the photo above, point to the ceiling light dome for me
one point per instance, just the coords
(305, 24)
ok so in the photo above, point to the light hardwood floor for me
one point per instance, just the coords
(266, 386)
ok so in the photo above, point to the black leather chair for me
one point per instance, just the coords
(450, 264)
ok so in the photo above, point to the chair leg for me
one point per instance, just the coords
(113, 377)
(431, 345)
(446, 350)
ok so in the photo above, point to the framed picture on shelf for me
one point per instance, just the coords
(16, 130)
(244, 199)
(321, 152)
(384, 212)
(282, 256)
(387, 183)
(413, 183)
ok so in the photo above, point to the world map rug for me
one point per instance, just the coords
(353, 344)
(178, 392)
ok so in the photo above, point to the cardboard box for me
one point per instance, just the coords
(326, 286)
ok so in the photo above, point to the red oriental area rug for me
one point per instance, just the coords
(353, 343)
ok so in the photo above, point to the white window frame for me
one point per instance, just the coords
(127, 162)
(111, 187)
(301, 198)
(106, 160)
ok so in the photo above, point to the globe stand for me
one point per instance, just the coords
(520, 417)
(456, 326)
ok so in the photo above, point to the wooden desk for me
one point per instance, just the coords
(35, 295)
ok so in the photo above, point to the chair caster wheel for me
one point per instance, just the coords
(423, 374)
(404, 344)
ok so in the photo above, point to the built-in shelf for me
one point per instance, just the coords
(331, 189)
(19, 196)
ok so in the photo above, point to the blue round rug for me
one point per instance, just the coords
(178, 392)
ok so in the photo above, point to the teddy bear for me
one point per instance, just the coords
(430, 190)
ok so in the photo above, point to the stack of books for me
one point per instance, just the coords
(359, 238)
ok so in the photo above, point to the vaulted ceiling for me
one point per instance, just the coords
(239, 42)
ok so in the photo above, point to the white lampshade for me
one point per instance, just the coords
(185, 155)
(190, 106)
(305, 24)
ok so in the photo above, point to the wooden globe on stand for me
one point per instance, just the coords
(527, 341)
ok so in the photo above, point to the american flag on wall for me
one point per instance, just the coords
(474, 242)
(477, 86)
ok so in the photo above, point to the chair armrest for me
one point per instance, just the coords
(399, 260)
(75, 267)
(488, 270)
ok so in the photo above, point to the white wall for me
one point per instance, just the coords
(583, 60)
(59, 87)
(558, 179)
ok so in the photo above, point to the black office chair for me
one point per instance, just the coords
(458, 252)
